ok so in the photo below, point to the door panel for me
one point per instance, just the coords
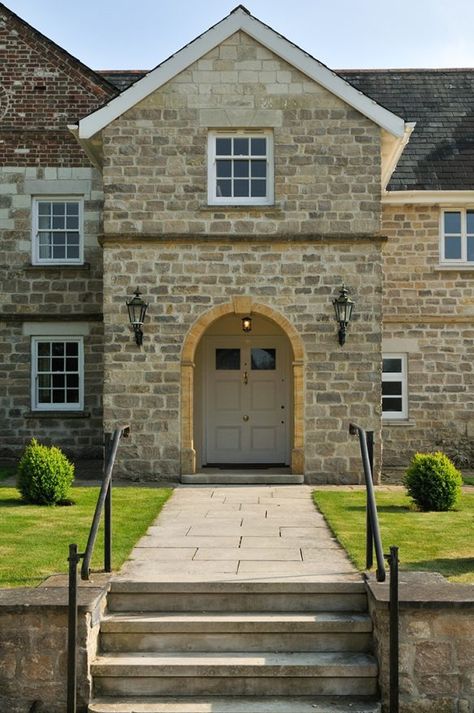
(246, 400)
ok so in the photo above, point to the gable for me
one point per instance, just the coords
(240, 20)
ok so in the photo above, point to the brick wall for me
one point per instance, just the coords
(43, 88)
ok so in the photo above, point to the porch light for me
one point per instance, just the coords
(136, 313)
(247, 324)
(343, 306)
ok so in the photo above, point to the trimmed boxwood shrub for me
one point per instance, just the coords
(44, 474)
(433, 482)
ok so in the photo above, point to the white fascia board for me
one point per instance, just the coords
(428, 198)
(240, 20)
(399, 144)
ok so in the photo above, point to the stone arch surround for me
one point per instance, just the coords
(239, 305)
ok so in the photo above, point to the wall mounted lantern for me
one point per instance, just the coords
(343, 306)
(136, 313)
(247, 324)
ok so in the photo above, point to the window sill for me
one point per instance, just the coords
(455, 268)
(402, 423)
(57, 414)
(57, 266)
(251, 208)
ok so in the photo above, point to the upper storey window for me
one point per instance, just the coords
(57, 231)
(457, 236)
(240, 168)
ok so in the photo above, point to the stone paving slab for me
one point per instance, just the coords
(239, 533)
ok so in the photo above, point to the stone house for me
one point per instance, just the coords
(241, 178)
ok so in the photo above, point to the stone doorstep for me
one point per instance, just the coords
(236, 704)
(123, 584)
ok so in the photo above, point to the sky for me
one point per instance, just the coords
(139, 34)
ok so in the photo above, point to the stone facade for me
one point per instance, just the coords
(35, 298)
(428, 313)
(291, 257)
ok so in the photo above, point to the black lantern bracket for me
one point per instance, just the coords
(136, 314)
(343, 307)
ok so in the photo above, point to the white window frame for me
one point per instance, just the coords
(400, 377)
(35, 258)
(463, 259)
(212, 197)
(35, 405)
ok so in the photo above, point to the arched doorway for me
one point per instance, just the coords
(242, 394)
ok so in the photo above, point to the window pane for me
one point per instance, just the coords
(43, 364)
(44, 222)
(452, 248)
(224, 169)
(241, 147)
(58, 348)
(58, 396)
(44, 208)
(390, 404)
(72, 208)
(44, 348)
(45, 252)
(241, 169)
(59, 222)
(259, 147)
(72, 222)
(392, 366)
(72, 363)
(263, 359)
(58, 381)
(59, 208)
(44, 381)
(57, 364)
(72, 396)
(241, 188)
(72, 381)
(228, 359)
(259, 169)
(44, 396)
(224, 189)
(72, 252)
(259, 189)
(59, 252)
(223, 147)
(452, 222)
(392, 388)
(72, 348)
(470, 249)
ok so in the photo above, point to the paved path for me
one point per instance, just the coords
(243, 533)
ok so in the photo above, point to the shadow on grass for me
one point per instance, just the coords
(396, 509)
(448, 566)
(9, 503)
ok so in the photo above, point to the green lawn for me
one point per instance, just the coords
(433, 541)
(468, 480)
(34, 539)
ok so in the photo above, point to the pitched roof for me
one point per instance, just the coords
(440, 153)
(240, 20)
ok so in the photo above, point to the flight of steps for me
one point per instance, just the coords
(235, 648)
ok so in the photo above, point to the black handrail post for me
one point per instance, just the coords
(108, 509)
(394, 631)
(369, 546)
(73, 560)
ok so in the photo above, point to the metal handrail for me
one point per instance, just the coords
(104, 502)
(374, 538)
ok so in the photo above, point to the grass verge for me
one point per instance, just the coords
(431, 541)
(34, 539)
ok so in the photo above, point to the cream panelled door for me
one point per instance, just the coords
(246, 400)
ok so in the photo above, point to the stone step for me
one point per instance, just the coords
(142, 596)
(320, 704)
(243, 478)
(244, 632)
(240, 674)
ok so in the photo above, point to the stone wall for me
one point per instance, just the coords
(326, 154)
(436, 643)
(33, 647)
(428, 314)
(59, 295)
(183, 280)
